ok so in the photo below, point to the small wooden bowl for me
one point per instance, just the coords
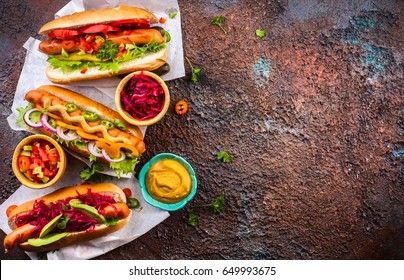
(22, 178)
(126, 115)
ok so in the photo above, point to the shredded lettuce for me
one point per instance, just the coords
(21, 111)
(125, 166)
(133, 53)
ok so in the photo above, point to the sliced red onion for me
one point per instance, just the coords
(93, 149)
(44, 120)
(28, 121)
(108, 158)
(70, 136)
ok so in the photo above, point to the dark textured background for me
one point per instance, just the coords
(312, 115)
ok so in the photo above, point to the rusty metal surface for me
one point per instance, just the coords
(312, 115)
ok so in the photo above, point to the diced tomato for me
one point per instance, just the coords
(43, 154)
(34, 149)
(98, 28)
(29, 174)
(63, 33)
(83, 71)
(84, 45)
(131, 23)
(90, 38)
(23, 163)
(49, 173)
(162, 20)
(53, 155)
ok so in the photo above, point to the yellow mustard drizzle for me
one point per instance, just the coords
(82, 121)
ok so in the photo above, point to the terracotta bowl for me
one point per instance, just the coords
(130, 119)
(22, 177)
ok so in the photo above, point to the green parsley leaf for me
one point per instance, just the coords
(260, 33)
(195, 71)
(192, 219)
(224, 156)
(217, 20)
(172, 15)
(218, 204)
(107, 50)
(88, 172)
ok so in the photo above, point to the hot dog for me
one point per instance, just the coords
(67, 216)
(101, 43)
(84, 126)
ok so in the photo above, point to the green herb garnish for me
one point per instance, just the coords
(107, 50)
(192, 219)
(217, 206)
(224, 157)
(172, 15)
(195, 71)
(260, 33)
(88, 172)
(218, 21)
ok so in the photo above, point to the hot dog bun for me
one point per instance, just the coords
(78, 42)
(149, 62)
(53, 100)
(74, 237)
(102, 16)
(86, 103)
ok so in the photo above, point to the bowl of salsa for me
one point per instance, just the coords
(38, 161)
(142, 98)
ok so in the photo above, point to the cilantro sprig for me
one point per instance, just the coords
(224, 157)
(217, 205)
(195, 71)
(217, 20)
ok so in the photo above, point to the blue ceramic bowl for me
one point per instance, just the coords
(162, 205)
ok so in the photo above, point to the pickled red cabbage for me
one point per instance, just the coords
(142, 97)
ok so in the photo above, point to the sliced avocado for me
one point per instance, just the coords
(88, 210)
(48, 228)
(26, 153)
(76, 56)
(45, 179)
(50, 238)
(27, 148)
(37, 170)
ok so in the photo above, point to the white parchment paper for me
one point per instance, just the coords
(103, 90)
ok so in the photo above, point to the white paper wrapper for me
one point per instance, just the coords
(103, 90)
(140, 222)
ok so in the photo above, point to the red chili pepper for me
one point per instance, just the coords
(127, 192)
(181, 107)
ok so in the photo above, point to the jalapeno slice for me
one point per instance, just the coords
(52, 122)
(120, 125)
(71, 107)
(90, 116)
(108, 124)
